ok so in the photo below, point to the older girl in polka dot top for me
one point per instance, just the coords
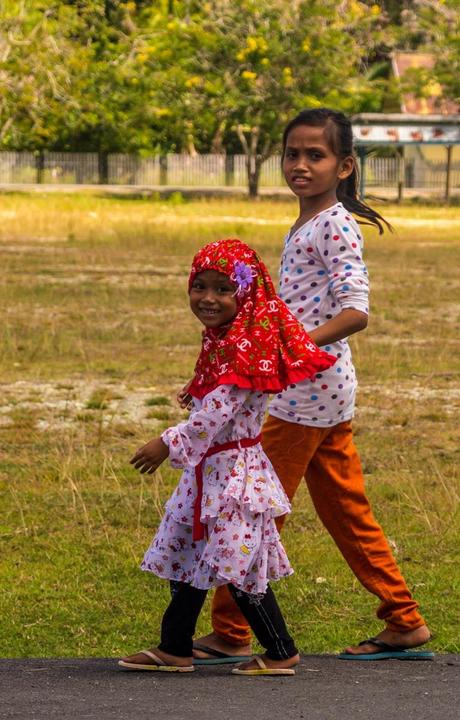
(308, 433)
(322, 274)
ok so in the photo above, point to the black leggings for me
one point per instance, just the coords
(262, 613)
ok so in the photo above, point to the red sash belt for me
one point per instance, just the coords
(198, 527)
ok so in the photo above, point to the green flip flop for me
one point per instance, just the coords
(218, 657)
(388, 652)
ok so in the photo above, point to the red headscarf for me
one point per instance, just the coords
(264, 348)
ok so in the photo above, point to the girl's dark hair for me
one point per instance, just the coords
(340, 136)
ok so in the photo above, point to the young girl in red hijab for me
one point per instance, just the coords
(219, 525)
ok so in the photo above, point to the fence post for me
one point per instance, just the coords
(163, 169)
(229, 170)
(103, 168)
(402, 172)
(362, 170)
(40, 166)
(448, 172)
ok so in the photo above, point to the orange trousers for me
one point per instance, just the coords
(328, 460)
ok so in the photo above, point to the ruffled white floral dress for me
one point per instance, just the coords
(241, 497)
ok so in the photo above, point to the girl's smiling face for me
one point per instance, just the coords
(310, 166)
(213, 298)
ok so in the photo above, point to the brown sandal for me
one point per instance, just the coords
(158, 664)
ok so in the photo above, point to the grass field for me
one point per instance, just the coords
(97, 338)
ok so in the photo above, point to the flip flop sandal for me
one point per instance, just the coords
(158, 664)
(388, 652)
(263, 669)
(218, 657)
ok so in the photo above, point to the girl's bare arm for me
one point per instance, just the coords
(346, 323)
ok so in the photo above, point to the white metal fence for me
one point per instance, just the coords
(199, 170)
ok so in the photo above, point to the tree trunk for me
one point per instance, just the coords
(253, 159)
(40, 166)
(189, 139)
(103, 167)
(217, 146)
(253, 167)
(191, 149)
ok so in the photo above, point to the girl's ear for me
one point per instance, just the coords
(347, 166)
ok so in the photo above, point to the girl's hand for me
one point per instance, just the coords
(150, 456)
(184, 398)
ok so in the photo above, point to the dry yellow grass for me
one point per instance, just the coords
(96, 339)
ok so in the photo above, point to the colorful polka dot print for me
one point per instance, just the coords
(322, 273)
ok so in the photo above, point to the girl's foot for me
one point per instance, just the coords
(406, 640)
(222, 646)
(155, 658)
(262, 665)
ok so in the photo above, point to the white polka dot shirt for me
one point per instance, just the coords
(321, 274)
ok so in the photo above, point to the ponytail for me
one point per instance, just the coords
(347, 194)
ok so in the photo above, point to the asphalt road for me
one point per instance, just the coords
(324, 688)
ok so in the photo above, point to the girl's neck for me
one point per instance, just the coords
(309, 207)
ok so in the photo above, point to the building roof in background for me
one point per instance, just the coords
(435, 103)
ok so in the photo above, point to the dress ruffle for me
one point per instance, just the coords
(249, 563)
(242, 545)
(241, 497)
(251, 485)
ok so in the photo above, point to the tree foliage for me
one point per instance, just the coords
(218, 75)
(243, 68)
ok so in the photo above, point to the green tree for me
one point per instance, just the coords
(35, 75)
(443, 19)
(183, 75)
(66, 77)
(430, 26)
(242, 68)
